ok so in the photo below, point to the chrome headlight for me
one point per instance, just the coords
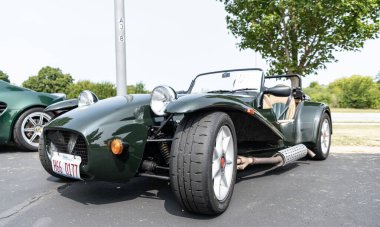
(86, 98)
(161, 97)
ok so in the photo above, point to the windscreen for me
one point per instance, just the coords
(228, 81)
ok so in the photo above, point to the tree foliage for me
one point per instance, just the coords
(4, 76)
(50, 80)
(349, 92)
(301, 36)
(319, 93)
(102, 90)
(356, 92)
(138, 88)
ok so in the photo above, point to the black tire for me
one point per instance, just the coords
(24, 140)
(322, 149)
(46, 162)
(191, 162)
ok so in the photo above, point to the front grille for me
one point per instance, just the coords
(3, 106)
(67, 142)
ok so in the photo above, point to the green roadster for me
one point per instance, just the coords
(21, 115)
(196, 139)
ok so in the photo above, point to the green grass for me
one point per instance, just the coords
(352, 110)
(356, 135)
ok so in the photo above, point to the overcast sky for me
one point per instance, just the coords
(168, 42)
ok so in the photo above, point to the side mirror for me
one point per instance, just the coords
(281, 91)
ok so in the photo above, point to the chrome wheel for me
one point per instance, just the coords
(222, 163)
(31, 127)
(325, 136)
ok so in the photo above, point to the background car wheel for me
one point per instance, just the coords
(45, 159)
(322, 148)
(203, 162)
(28, 128)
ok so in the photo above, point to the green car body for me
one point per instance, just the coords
(146, 136)
(14, 101)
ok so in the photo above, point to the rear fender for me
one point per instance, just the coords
(307, 122)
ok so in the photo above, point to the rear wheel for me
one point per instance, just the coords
(203, 162)
(322, 148)
(28, 128)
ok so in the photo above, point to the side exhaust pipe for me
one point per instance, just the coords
(286, 156)
(292, 154)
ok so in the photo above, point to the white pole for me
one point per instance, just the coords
(121, 69)
(256, 59)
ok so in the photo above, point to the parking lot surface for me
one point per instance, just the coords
(343, 190)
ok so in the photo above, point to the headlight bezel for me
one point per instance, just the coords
(161, 96)
(86, 98)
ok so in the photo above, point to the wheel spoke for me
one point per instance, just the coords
(33, 137)
(223, 188)
(224, 181)
(28, 129)
(215, 171)
(219, 144)
(31, 120)
(217, 182)
(41, 119)
(224, 191)
(217, 154)
(226, 142)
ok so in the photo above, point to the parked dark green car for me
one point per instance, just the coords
(21, 115)
(194, 139)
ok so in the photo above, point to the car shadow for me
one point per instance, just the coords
(98, 193)
(9, 149)
(258, 171)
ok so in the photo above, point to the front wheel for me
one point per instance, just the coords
(28, 128)
(322, 148)
(203, 162)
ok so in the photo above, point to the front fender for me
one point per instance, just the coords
(125, 117)
(225, 102)
(62, 106)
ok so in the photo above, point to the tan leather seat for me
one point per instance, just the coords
(270, 100)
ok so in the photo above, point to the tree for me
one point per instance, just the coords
(4, 76)
(356, 92)
(319, 93)
(301, 36)
(50, 80)
(138, 88)
(102, 90)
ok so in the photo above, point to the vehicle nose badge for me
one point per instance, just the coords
(71, 143)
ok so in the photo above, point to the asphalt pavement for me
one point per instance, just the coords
(341, 191)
